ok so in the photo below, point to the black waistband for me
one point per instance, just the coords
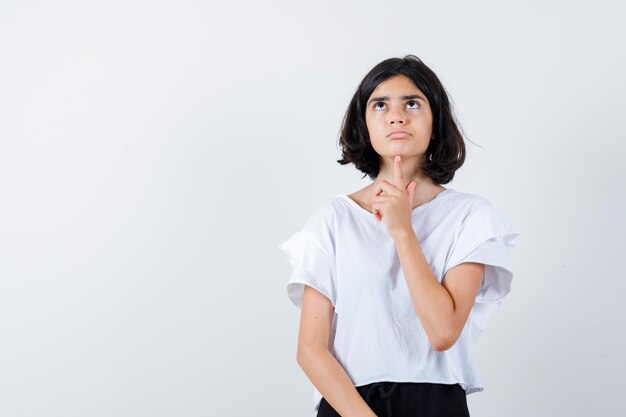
(383, 389)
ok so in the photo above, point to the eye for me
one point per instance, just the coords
(376, 105)
(417, 106)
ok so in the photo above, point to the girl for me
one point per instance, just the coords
(397, 280)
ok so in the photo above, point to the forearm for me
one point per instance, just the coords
(431, 301)
(332, 381)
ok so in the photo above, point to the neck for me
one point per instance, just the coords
(425, 189)
(410, 170)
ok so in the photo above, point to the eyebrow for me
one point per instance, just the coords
(409, 97)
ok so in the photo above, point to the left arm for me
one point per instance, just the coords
(442, 308)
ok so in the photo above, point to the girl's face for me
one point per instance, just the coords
(397, 104)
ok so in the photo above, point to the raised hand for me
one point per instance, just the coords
(394, 202)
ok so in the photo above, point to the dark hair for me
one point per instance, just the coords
(446, 150)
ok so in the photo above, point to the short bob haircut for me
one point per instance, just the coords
(446, 150)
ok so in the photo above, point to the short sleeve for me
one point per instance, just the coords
(311, 254)
(487, 238)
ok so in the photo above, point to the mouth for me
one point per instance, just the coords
(398, 134)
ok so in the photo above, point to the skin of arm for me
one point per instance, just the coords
(442, 308)
(320, 366)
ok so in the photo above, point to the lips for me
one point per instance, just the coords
(398, 134)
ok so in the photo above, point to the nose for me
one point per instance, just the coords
(396, 116)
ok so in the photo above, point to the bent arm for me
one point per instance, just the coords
(442, 308)
(320, 366)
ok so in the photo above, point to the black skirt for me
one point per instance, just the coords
(408, 399)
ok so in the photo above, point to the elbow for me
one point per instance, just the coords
(300, 357)
(443, 342)
(304, 353)
(441, 346)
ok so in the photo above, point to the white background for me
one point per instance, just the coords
(153, 154)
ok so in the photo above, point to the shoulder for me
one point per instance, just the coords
(478, 215)
(325, 216)
(468, 205)
(322, 223)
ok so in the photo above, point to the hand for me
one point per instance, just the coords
(394, 202)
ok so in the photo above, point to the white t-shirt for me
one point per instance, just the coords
(344, 252)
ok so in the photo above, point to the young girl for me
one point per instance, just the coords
(396, 281)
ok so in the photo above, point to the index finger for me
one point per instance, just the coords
(398, 174)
